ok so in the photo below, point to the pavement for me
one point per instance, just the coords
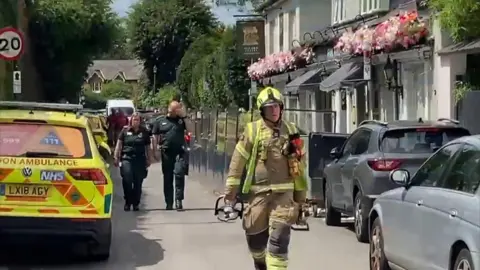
(194, 239)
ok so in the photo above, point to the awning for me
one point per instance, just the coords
(349, 74)
(463, 47)
(309, 78)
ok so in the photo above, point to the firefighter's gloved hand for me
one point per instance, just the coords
(228, 210)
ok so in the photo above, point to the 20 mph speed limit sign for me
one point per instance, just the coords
(11, 43)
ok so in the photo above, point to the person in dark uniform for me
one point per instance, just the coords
(133, 155)
(169, 132)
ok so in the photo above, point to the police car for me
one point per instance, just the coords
(53, 181)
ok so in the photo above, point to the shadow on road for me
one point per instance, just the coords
(184, 210)
(130, 248)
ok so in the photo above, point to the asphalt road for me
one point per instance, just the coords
(157, 239)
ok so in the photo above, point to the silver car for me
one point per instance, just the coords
(432, 222)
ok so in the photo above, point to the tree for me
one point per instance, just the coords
(119, 50)
(160, 99)
(117, 90)
(460, 17)
(65, 37)
(8, 16)
(217, 80)
(199, 49)
(160, 32)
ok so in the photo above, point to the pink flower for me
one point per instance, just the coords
(279, 63)
(404, 30)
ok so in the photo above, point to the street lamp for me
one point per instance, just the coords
(390, 71)
(154, 79)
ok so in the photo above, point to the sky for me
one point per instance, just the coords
(223, 13)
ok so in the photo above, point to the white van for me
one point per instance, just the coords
(124, 105)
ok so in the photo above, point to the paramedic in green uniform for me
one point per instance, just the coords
(133, 154)
(169, 133)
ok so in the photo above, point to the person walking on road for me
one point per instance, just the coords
(133, 154)
(272, 153)
(169, 133)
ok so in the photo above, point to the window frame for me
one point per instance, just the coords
(370, 6)
(352, 138)
(441, 177)
(450, 168)
(97, 87)
(271, 36)
(281, 29)
(339, 11)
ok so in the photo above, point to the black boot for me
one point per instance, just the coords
(260, 266)
(136, 208)
(178, 205)
(127, 207)
(169, 206)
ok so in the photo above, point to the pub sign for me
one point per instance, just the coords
(251, 39)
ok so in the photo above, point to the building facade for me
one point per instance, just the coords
(411, 97)
(104, 71)
(289, 25)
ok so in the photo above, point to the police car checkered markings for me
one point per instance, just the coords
(53, 176)
(52, 139)
(24, 190)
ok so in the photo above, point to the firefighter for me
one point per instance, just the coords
(275, 182)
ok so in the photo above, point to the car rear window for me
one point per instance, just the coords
(19, 139)
(419, 140)
(128, 111)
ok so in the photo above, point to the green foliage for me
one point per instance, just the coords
(94, 100)
(460, 17)
(117, 90)
(8, 17)
(65, 37)
(217, 80)
(120, 49)
(159, 99)
(200, 48)
(461, 89)
(160, 32)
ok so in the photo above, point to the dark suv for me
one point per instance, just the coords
(360, 168)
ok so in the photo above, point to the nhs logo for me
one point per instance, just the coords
(52, 175)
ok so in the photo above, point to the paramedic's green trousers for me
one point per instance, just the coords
(133, 172)
(173, 168)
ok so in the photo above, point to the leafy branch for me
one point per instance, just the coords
(460, 91)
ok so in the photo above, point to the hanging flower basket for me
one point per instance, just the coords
(402, 31)
(281, 62)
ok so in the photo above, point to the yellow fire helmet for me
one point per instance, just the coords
(269, 96)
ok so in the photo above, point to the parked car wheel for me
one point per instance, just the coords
(332, 216)
(378, 261)
(361, 218)
(464, 260)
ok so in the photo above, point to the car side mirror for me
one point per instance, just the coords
(335, 153)
(400, 177)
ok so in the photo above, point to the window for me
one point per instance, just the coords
(367, 6)
(271, 38)
(97, 87)
(358, 143)
(429, 174)
(292, 27)
(465, 173)
(60, 141)
(127, 111)
(339, 11)
(280, 31)
(420, 140)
